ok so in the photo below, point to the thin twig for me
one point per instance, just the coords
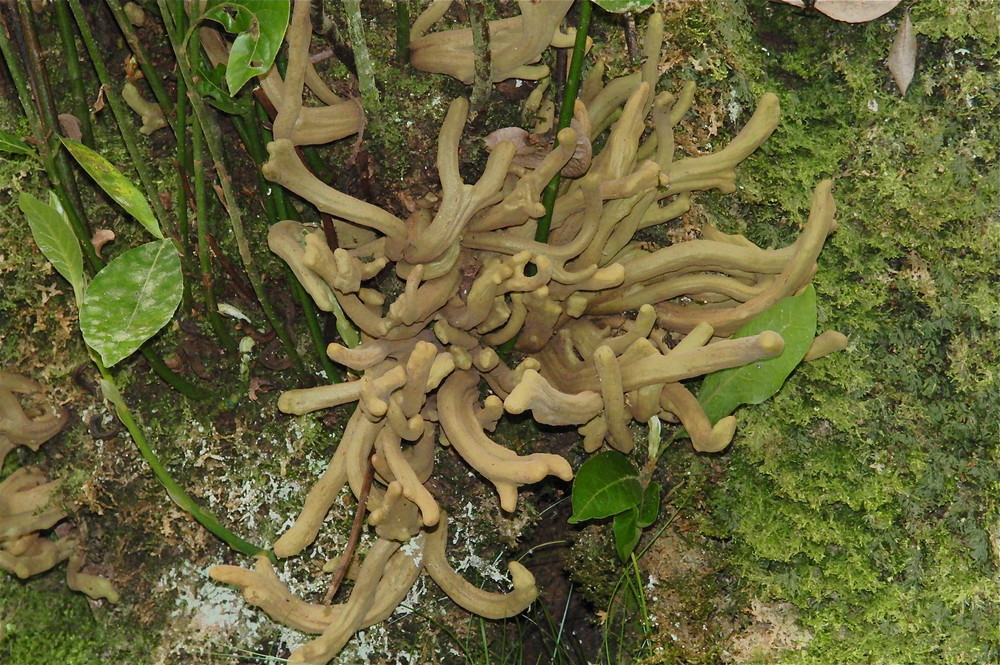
(352, 541)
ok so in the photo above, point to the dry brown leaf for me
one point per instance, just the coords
(101, 238)
(902, 60)
(70, 126)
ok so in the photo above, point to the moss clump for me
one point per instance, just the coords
(866, 493)
(42, 621)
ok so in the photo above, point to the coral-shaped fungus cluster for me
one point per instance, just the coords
(475, 279)
(30, 505)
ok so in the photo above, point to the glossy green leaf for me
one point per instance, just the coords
(209, 84)
(627, 532)
(11, 143)
(54, 236)
(623, 6)
(116, 185)
(795, 320)
(259, 26)
(607, 483)
(131, 299)
(650, 506)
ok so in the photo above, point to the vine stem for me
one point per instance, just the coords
(362, 59)
(402, 30)
(151, 75)
(174, 490)
(482, 84)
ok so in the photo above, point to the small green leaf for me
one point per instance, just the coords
(607, 483)
(209, 84)
(115, 184)
(623, 6)
(11, 143)
(54, 236)
(131, 299)
(650, 506)
(627, 532)
(259, 26)
(795, 320)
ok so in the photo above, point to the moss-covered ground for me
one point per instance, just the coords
(853, 520)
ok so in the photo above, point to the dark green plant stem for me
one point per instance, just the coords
(214, 144)
(16, 73)
(123, 117)
(402, 31)
(182, 186)
(482, 84)
(566, 115)
(176, 493)
(149, 72)
(44, 125)
(204, 254)
(180, 195)
(565, 118)
(67, 37)
(172, 379)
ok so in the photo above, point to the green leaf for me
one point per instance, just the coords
(650, 506)
(54, 236)
(607, 483)
(623, 6)
(115, 184)
(795, 320)
(131, 299)
(627, 532)
(11, 143)
(259, 26)
(209, 84)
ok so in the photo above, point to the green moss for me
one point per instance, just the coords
(865, 493)
(42, 621)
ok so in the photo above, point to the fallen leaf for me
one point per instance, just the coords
(902, 60)
(70, 126)
(99, 102)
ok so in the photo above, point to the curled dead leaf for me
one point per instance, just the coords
(101, 238)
